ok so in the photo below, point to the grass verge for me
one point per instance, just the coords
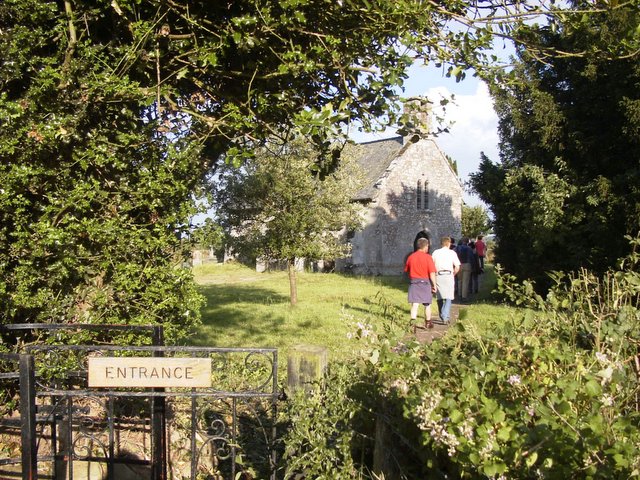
(249, 309)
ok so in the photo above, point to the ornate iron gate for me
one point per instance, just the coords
(226, 431)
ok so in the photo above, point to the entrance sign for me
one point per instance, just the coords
(149, 372)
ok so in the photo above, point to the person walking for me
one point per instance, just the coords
(447, 266)
(456, 278)
(464, 254)
(422, 282)
(475, 269)
(421, 234)
(481, 250)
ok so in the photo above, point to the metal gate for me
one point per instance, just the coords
(226, 431)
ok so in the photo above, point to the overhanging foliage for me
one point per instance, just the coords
(565, 192)
(114, 111)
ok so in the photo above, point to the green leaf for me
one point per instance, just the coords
(499, 416)
(490, 469)
(596, 424)
(455, 72)
(593, 388)
(621, 460)
(470, 385)
(375, 356)
(456, 416)
(563, 407)
(504, 433)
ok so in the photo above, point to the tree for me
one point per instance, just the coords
(279, 207)
(208, 235)
(114, 112)
(566, 190)
(475, 221)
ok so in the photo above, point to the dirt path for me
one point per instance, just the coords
(424, 335)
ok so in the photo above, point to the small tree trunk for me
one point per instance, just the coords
(293, 287)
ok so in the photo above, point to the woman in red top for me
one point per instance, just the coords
(422, 277)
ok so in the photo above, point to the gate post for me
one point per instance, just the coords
(158, 420)
(306, 367)
(28, 415)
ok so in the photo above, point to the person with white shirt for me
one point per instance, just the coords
(447, 266)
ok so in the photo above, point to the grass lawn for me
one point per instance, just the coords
(249, 309)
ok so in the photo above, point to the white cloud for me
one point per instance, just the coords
(473, 128)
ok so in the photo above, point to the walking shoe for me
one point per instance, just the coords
(429, 324)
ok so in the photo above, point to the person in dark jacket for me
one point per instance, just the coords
(476, 268)
(464, 254)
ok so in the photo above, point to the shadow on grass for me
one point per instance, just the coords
(226, 311)
(399, 282)
(258, 314)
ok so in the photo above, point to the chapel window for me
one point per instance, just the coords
(419, 195)
(425, 196)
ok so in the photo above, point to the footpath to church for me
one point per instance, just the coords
(427, 335)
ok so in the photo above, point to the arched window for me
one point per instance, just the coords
(419, 195)
(425, 194)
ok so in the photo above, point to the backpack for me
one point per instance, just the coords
(463, 253)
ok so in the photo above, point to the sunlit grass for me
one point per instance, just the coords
(249, 309)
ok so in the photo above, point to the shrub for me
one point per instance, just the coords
(326, 429)
(549, 393)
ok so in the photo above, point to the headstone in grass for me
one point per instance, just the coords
(306, 366)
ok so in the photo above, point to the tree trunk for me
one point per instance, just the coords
(293, 287)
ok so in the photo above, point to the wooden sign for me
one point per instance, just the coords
(149, 372)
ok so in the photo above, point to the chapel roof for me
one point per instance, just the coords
(375, 160)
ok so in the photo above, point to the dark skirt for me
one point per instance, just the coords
(420, 291)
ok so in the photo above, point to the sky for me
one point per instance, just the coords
(473, 122)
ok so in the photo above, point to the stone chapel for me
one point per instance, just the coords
(411, 190)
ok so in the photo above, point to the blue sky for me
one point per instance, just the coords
(473, 122)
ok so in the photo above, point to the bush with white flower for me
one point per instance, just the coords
(551, 393)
